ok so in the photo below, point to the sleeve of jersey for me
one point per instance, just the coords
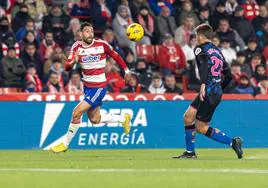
(70, 60)
(116, 57)
(202, 60)
(227, 75)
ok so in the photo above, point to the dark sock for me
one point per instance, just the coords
(190, 138)
(218, 136)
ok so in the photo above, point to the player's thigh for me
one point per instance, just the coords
(82, 107)
(94, 114)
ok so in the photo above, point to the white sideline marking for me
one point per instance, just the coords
(129, 170)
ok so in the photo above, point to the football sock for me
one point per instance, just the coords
(111, 118)
(71, 132)
(218, 136)
(190, 138)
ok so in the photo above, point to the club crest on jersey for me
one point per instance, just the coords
(197, 51)
(87, 59)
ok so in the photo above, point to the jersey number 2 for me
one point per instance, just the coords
(217, 67)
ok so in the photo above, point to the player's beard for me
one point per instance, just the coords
(88, 40)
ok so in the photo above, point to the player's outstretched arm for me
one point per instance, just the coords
(112, 53)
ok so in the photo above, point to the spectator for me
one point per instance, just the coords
(262, 34)
(59, 34)
(166, 23)
(57, 67)
(53, 85)
(56, 14)
(120, 23)
(133, 86)
(16, 8)
(135, 6)
(29, 38)
(9, 41)
(57, 55)
(242, 25)
(170, 85)
(73, 28)
(252, 48)
(263, 85)
(143, 73)
(219, 14)
(12, 70)
(171, 58)
(130, 58)
(108, 36)
(245, 68)
(236, 72)
(259, 20)
(202, 4)
(259, 75)
(75, 85)
(30, 55)
(204, 15)
(228, 53)
(4, 27)
(251, 9)
(187, 11)
(30, 26)
(33, 82)
(255, 61)
(216, 41)
(244, 86)
(225, 32)
(182, 33)
(188, 49)
(157, 5)
(230, 6)
(48, 45)
(21, 18)
(157, 86)
(37, 10)
(147, 22)
(101, 15)
(114, 80)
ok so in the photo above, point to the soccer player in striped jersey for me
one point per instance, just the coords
(91, 53)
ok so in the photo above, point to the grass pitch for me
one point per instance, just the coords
(215, 168)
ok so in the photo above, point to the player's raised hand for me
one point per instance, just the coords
(202, 92)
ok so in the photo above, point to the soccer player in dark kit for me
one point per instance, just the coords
(211, 65)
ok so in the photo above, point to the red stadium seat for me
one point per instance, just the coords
(146, 51)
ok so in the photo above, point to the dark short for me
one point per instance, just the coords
(205, 109)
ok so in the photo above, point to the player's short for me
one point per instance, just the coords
(94, 96)
(206, 108)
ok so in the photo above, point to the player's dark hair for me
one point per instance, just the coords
(206, 30)
(85, 24)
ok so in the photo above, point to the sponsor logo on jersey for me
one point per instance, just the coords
(92, 50)
(87, 59)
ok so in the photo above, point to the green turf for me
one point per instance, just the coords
(132, 159)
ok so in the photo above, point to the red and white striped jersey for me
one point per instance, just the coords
(93, 61)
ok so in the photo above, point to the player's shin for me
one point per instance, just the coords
(218, 136)
(190, 133)
(71, 132)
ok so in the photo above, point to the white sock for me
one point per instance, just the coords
(71, 132)
(111, 118)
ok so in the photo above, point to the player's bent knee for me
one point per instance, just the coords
(188, 118)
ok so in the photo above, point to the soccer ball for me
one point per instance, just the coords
(135, 32)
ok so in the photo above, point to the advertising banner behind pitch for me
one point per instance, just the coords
(155, 124)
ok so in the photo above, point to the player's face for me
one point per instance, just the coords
(87, 34)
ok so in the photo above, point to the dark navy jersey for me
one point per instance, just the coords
(209, 54)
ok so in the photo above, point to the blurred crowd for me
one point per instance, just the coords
(36, 36)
